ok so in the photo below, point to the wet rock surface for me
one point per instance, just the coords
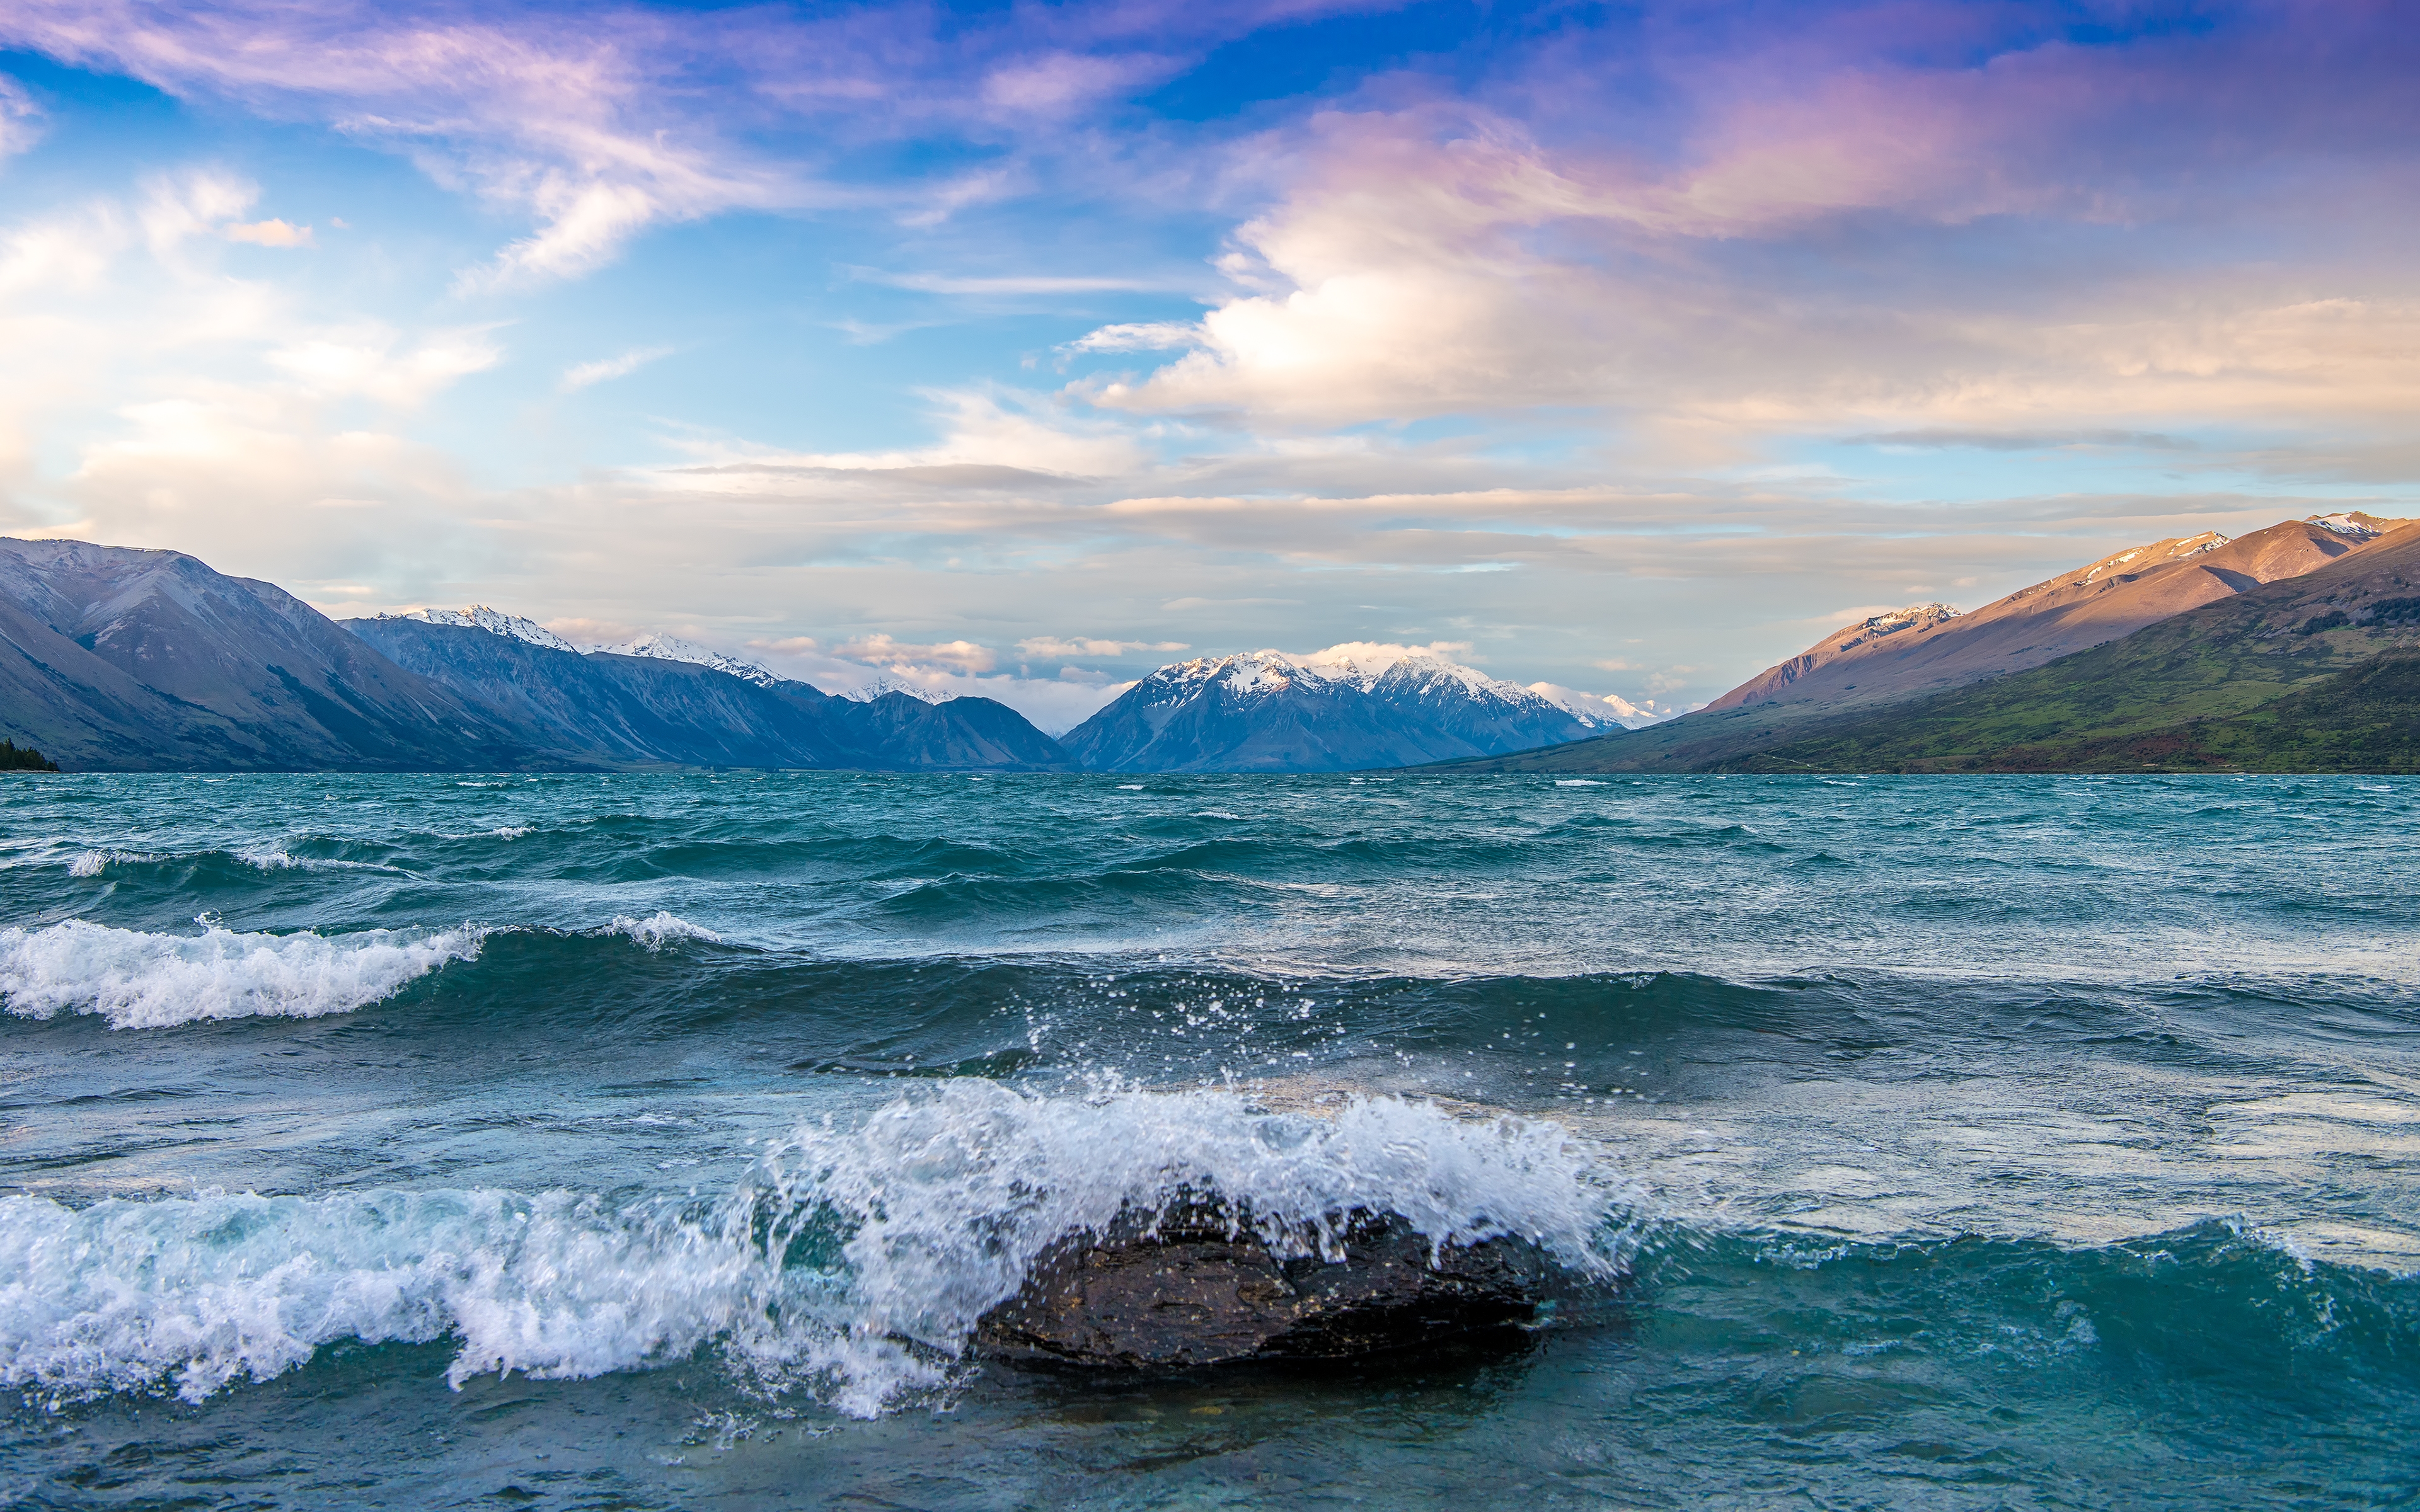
(1201, 1289)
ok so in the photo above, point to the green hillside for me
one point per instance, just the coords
(2312, 673)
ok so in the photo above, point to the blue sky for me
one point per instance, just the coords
(1022, 347)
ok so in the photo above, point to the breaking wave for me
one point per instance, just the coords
(661, 930)
(851, 1263)
(138, 980)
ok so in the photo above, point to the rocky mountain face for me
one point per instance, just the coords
(130, 661)
(1932, 647)
(656, 707)
(1348, 709)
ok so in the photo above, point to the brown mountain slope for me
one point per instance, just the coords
(2309, 673)
(1915, 652)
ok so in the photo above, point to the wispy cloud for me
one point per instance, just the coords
(1051, 647)
(1146, 336)
(20, 120)
(1013, 283)
(581, 375)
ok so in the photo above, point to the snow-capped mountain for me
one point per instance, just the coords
(1348, 707)
(2353, 524)
(672, 648)
(493, 621)
(1600, 711)
(885, 682)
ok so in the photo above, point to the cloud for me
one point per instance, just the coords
(1148, 336)
(1052, 648)
(270, 234)
(371, 361)
(1053, 84)
(963, 656)
(569, 119)
(991, 441)
(1010, 284)
(581, 375)
(1985, 441)
(21, 120)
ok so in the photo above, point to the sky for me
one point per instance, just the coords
(1019, 349)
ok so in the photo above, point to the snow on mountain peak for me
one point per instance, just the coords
(2353, 524)
(672, 648)
(885, 682)
(493, 621)
(1601, 711)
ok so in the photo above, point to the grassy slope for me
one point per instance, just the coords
(2232, 684)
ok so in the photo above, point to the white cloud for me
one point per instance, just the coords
(271, 233)
(1147, 336)
(962, 657)
(1052, 648)
(367, 361)
(582, 375)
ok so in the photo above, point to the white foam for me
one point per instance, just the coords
(138, 980)
(942, 1200)
(274, 858)
(955, 1192)
(1578, 783)
(93, 863)
(661, 930)
(207, 1291)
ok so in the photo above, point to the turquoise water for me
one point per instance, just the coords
(653, 1142)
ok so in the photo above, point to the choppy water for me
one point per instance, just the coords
(654, 1142)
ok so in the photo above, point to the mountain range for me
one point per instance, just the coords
(1348, 708)
(123, 659)
(2296, 647)
(2292, 649)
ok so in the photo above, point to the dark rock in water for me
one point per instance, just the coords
(1203, 1288)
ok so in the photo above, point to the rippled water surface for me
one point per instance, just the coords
(655, 1142)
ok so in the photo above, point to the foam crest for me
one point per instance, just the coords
(138, 980)
(273, 858)
(93, 863)
(661, 930)
(201, 1292)
(852, 1264)
(951, 1194)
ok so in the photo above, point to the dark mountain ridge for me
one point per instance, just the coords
(644, 710)
(114, 658)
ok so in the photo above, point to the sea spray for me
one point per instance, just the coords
(851, 1263)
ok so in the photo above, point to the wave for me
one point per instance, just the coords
(661, 930)
(139, 980)
(274, 858)
(93, 863)
(852, 1264)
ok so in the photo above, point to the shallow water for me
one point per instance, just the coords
(654, 1142)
